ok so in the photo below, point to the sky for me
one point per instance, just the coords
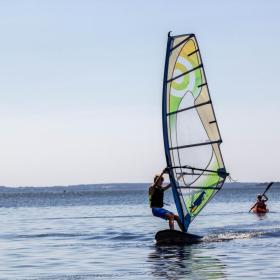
(81, 87)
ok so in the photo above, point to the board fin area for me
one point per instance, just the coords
(175, 237)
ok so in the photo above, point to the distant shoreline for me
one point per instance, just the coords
(115, 186)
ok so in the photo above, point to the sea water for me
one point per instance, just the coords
(107, 232)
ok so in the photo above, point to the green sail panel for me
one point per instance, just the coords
(191, 135)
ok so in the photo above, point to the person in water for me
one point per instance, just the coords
(156, 194)
(260, 204)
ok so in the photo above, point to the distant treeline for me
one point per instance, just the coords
(112, 187)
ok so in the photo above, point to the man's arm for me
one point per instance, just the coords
(165, 170)
(265, 198)
(166, 187)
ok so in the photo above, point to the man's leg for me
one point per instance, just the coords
(179, 222)
(170, 218)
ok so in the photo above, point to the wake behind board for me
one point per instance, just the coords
(175, 237)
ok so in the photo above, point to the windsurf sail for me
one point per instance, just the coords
(191, 134)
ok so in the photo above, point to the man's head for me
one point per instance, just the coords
(259, 197)
(159, 179)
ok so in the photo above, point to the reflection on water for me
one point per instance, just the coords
(260, 216)
(178, 262)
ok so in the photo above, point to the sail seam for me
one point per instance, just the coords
(197, 174)
(202, 85)
(185, 73)
(193, 52)
(194, 145)
(181, 43)
(188, 108)
(199, 188)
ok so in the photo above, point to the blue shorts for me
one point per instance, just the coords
(160, 212)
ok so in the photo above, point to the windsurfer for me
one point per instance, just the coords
(156, 194)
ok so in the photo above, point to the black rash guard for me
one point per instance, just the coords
(156, 199)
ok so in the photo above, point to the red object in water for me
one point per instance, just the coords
(258, 210)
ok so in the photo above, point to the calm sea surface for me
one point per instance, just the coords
(107, 232)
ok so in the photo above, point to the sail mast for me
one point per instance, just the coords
(175, 191)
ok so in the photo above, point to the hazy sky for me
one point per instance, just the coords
(81, 84)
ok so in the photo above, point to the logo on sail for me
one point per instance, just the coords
(197, 202)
